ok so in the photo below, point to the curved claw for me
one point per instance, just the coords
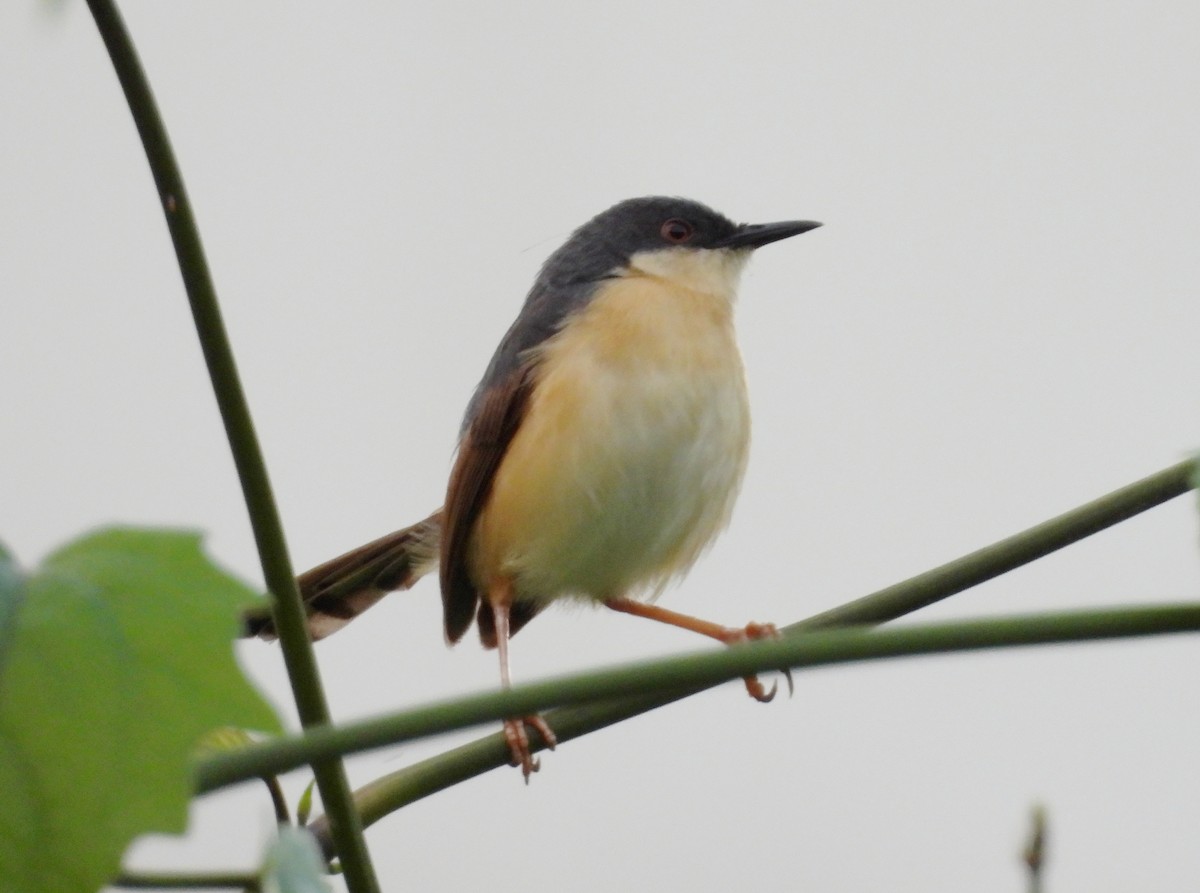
(752, 632)
(760, 694)
(543, 728)
(517, 737)
(518, 747)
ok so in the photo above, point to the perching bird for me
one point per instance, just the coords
(600, 454)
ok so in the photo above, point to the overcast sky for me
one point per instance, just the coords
(997, 323)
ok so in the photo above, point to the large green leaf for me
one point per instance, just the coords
(115, 658)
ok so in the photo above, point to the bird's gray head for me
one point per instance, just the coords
(638, 227)
(670, 238)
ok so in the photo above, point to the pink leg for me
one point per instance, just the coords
(729, 635)
(500, 599)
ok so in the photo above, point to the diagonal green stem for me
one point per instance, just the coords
(414, 782)
(445, 769)
(389, 793)
(247, 455)
(1012, 552)
(394, 791)
(702, 669)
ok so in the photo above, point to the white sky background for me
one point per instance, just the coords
(997, 323)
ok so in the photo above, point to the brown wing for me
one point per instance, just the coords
(498, 415)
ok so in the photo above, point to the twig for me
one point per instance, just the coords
(1012, 552)
(247, 455)
(145, 880)
(1034, 854)
(398, 789)
(693, 671)
(279, 802)
(217, 770)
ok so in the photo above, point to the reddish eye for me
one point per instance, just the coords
(677, 231)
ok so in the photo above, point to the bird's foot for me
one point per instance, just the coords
(752, 632)
(729, 635)
(518, 742)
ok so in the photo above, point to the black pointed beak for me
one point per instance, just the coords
(755, 235)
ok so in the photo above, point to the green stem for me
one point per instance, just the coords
(247, 455)
(394, 791)
(278, 800)
(687, 673)
(412, 783)
(389, 793)
(1034, 855)
(145, 880)
(1010, 553)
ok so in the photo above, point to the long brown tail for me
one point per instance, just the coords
(339, 590)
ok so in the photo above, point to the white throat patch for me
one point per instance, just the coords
(713, 271)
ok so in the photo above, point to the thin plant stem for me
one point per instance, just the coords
(235, 413)
(398, 789)
(1011, 552)
(389, 793)
(283, 815)
(1034, 854)
(217, 770)
(147, 880)
(688, 672)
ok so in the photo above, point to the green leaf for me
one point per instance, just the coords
(115, 658)
(294, 864)
(304, 805)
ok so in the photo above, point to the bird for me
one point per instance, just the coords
(600, 454)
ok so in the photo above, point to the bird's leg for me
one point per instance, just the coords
(500, 598)
(729, 635)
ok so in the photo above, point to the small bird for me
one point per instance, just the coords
(601, 453)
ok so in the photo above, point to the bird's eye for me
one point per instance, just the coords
(677, 231)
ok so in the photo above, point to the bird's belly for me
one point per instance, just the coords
(627, 462)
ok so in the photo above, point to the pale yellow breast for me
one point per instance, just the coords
(632, 450)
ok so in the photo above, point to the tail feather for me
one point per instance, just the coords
(339, 590)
